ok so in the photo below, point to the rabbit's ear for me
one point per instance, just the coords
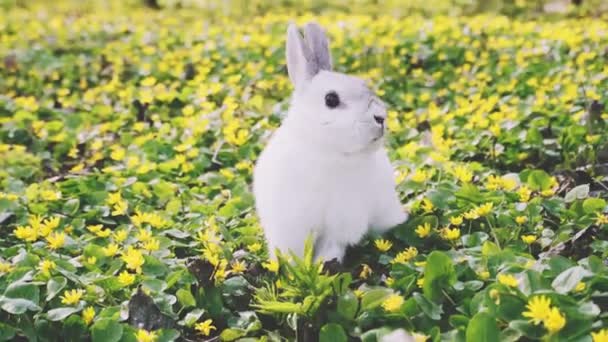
(319, 44)
(301, 63)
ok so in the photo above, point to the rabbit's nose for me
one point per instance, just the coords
(379, 119)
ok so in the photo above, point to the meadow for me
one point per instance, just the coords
(128, 138)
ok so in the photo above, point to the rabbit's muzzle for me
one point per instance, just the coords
(377, 114)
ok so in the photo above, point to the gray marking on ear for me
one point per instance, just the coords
(319, 44)
(301, 63)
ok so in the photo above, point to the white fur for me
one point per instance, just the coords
(325, 170)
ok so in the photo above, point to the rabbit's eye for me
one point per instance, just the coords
(332, 100)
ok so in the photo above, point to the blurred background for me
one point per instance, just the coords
(399, 8)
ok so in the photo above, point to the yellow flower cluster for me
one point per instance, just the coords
(540, 310)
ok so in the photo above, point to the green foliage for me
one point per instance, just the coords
(127, 145)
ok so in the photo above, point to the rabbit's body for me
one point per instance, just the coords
(324, 171)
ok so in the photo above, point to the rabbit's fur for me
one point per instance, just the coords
(325, 170)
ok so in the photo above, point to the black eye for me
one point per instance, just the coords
(332, 100)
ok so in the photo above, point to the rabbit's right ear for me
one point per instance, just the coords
(301, 64)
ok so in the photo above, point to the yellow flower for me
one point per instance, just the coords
(554, 321)
(134, 259)
(538, 309)
(120, 208)
(423, 230)
(272, 266)
(145, 336)
(383, 245)
(528, 239)
(5, 267)
(420, 176)
(110, 250)
(151, 245)
(103, 233)
(521, 219)
(483, 275)
(120, 235)
(50, 195)
(72, 297)
(471, 214)
(113, 198)
(601, 219)
(26, 233)
(389, 281)
(238, 266)
(420, 337)
(524, 194)
(125, 278)
(420, 282)
(366, 271)
(485, 209)
(88, 315)
(493, 183)
(600, 336)
(392, 303)
(463, 174)
(456, 220)
(406, 255)
(547, 192)
(91, 260)
(56, 240)
(46, 266)
(451, 233)
(95, 228)
(427, 205)
(507, 279)
(204, 328)
(49, 225)
(254, 247)
(581, 286)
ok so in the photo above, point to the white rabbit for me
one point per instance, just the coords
(325, 169)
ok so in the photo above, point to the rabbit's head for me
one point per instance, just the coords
(334, 111)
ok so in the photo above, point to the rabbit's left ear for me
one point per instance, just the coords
(301, 63)
(319, 45)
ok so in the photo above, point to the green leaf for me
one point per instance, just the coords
(374, 298)
(168, 335)
(232, 334)
(185, 298)
(74, 329)
(439, 274)
(17, 306)
(579, 192)
(54, 286)
(589, 309)
(6, 332)
(510, 307)
(459, 321)
(70, 207)
(106, 330)
(235, 286)
(332, 332)
(538, 180)
(24, 290)
(568, 279)
(593, 205)
(61, 313)
(482, 327)
(347, 305)
(153, 266)
(192, 317)
(431, 309)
